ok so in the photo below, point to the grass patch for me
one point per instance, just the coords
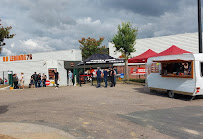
(2, 86)
(137, 80)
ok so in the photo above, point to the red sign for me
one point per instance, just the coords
(47, 83)
(72, 64)
(138, 71)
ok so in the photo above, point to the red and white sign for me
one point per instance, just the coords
(47, 83)
(137, 71)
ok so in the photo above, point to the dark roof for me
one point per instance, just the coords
(98, 57)
(101, 59)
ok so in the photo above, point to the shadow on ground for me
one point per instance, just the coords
(164, 94)
(3, 109)
(184, 122)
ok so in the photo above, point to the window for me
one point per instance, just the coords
(201, 68)
(182, 69)
(51, 73)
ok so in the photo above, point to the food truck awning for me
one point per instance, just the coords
(173, 50)
(101, 59)
(143, 57)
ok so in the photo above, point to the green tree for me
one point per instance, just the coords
(124, 42)
(4, 34)
(91, 46)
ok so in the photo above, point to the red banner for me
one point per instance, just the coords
(137, 71)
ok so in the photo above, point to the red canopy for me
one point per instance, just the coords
(173, 50)
(143, 57)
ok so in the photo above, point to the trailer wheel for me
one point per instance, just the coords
(171, 94)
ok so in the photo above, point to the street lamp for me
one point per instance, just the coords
(199, 25)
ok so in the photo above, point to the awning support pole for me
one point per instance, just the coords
(199, 26)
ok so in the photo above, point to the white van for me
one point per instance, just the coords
(181, 74)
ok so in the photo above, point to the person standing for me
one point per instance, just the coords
(15, 81)
(35, 77)
(70, 76)
(98, 77)
(112, 77)
(32, 82)
(105, 76)
(39, 80)
(44, 78)
(91, 72)
(56, 78)
(22, 80)
(114, 69)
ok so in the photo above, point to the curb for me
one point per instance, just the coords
(7, 87)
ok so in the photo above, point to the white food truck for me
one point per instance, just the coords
(176, 74)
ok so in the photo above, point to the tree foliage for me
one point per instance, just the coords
(91, 46)
(5, 34)
(125, 39)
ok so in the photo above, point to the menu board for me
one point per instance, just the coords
(155, 67)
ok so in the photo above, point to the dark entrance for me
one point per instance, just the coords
(79, 69)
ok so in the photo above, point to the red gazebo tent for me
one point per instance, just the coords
(173, 50)
(142, 58)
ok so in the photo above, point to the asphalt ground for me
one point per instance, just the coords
(121, 112)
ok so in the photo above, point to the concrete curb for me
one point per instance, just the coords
(5, 88)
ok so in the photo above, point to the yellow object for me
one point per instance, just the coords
(11, 88)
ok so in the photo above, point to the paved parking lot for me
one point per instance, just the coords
(125, 111)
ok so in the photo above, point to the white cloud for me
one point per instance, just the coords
(12, 45)
(89, 21)
(7, 52)
(46, 25)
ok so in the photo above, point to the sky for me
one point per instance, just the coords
(49, 25)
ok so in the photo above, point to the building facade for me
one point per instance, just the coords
(45, 62)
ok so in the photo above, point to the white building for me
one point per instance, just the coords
(44, 62)
(187, 41)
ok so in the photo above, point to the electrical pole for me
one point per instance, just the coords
(199, 26)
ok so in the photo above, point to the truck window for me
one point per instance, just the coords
(180, 69)
(201, 68)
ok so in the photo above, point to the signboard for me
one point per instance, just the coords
(47, 83)
(17, 58)
(155, 67)
(51, 73)
(137, 71)
(72, 64)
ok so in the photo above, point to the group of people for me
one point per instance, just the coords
(19, 83)
(38, 80)
(111, 72)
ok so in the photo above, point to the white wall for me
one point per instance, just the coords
(40, 63)
(27, 67)
(187, 41)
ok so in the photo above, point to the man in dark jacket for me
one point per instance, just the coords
(105, 74)
(112, 78)
(98, 77)
(35, 77)
(56, 78)
(39, 80)
(15, 81)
